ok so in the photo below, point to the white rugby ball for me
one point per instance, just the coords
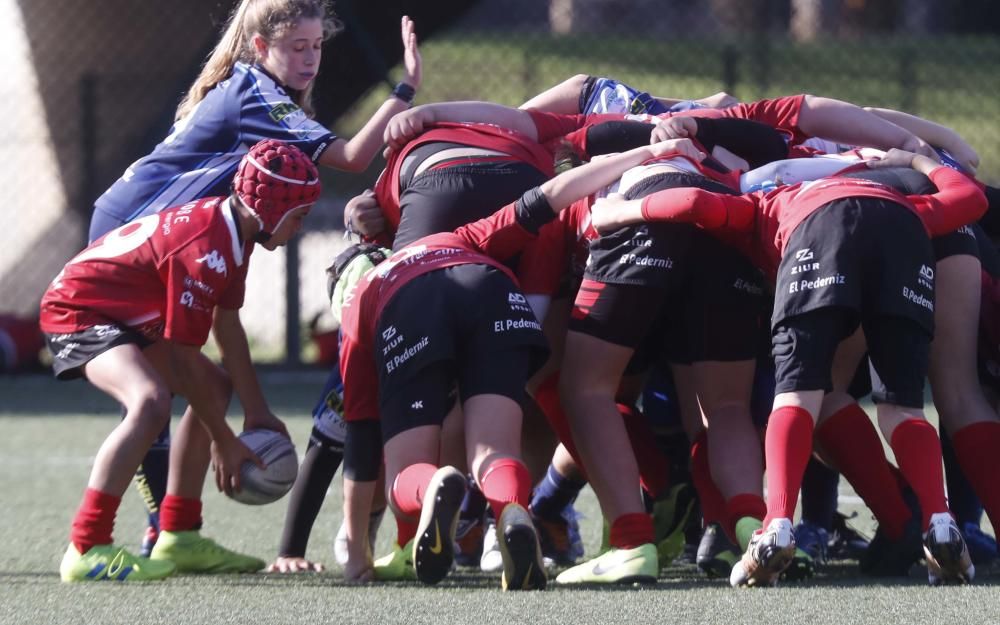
(261, 486)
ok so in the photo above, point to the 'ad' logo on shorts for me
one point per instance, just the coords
(518, 302)
(926, 278)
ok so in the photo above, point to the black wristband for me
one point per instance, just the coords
(533, 210)
(404, 92)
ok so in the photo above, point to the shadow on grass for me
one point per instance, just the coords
(676, 578)
(289, 391)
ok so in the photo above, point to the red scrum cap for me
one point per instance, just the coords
(274, 178)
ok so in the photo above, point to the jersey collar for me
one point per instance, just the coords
(229, 215)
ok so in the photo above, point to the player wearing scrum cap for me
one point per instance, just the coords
(256, 84)
(130, 313)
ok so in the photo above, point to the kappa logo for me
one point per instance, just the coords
(388, 333)
(803, 255)
(215, 261)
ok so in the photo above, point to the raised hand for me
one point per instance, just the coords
(412, 63)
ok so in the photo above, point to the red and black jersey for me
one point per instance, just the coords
(560, 252)
(489, 241)
(487, 136)
(782, 114)
(771, 217)
(162, 275)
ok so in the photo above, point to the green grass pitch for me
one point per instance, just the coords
(49, 433)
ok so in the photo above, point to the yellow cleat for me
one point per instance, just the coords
(617, 566)
(111, 563)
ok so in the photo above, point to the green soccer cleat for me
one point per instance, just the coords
(110, 563)
(523, 568)
(670, 516)
(434, 546)
(194, 553)
(618, 566)
(396, 566)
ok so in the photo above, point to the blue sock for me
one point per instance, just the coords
(819, 494)
(473, 504)
(961, 497)
(554, 493)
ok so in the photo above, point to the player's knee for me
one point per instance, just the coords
(150, 404)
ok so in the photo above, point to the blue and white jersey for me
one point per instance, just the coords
(200, 155)
(607, 95)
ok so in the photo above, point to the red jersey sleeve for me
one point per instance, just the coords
(234, 295)
(711, 211)
(958, 202)
(498, 236)
(357, 364)
(545, 260)
(779, 113)
(554, 125)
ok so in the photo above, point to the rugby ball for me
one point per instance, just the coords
(261, 486)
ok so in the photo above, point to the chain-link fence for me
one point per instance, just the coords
(91, 86)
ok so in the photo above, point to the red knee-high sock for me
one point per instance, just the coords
(407, 497)
(506, 481)
(94, 520)
(654, 470)
(631, 530)
(409, 487)
(547, 398)
(713, 505)
(406, 529)
(787, 447)
(853, 444)
(978, 449)
(740, 506)
(918, 454)
(180, 514)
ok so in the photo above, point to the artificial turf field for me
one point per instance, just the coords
(49, 433)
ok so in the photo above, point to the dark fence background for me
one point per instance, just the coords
(94, 86)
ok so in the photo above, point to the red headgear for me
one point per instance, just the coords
(274, 178)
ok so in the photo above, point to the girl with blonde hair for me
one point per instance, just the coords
(256, 84)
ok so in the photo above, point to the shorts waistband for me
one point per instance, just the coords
(449, 154)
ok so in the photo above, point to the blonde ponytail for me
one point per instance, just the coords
(268, 18)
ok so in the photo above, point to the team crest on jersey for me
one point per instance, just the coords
(215, 261)
(283, 110)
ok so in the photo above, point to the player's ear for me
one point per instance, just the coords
(260, 46)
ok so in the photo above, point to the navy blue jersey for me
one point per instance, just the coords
(199, 157)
